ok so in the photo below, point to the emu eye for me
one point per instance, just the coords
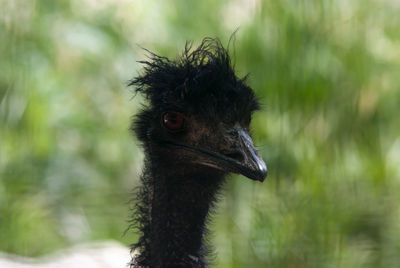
(173, 120)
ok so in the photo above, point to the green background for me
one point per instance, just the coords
(327, 73)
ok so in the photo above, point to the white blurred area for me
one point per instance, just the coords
(99, 255)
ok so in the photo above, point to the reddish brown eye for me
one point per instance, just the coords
(173, 121)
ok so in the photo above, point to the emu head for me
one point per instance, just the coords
(199, 112)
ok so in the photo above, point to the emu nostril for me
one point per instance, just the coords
(237, 155)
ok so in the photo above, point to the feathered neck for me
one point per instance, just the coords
(171, 213)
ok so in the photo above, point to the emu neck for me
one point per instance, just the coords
(179, 200)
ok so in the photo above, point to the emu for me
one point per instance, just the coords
(194, 130)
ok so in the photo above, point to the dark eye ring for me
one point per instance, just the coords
(173, 120)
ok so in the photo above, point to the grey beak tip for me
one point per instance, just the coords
(263, 175)
(262, 170)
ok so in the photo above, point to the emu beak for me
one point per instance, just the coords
(242, 157)
(245, 159)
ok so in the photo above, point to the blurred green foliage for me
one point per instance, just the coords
(328, 76)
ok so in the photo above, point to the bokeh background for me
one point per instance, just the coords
(327, 73)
